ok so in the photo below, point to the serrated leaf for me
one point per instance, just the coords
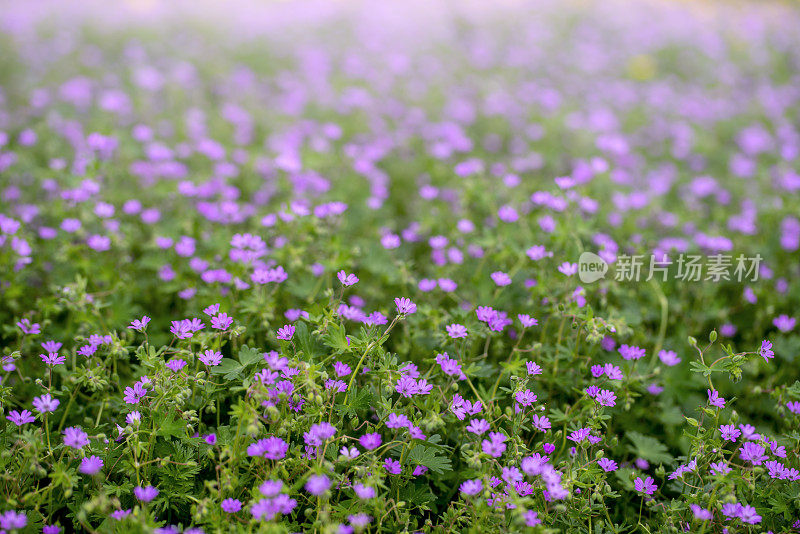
(170, 428)
(649, 448)
(228, 368)
(248, 356)
(422, 455)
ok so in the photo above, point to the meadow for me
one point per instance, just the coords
(350, 267)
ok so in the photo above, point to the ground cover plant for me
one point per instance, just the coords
(344, 267)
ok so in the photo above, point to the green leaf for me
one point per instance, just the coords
(305, 340)
(174, 427)
(230, 369)
(649, 448)
(335, 338)
(248, 356)
(422, 455)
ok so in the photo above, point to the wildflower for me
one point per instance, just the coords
(471, 487)
(579, 435)
(392, 466)
(53, 359)
(500, 278)
(12, 520)
(568, 269)
(531, 518)
(645, 486)
(784, 323)
(405, 306)
(606, 397)
(75, 437)
(140, 324)
(181, 329)
(597, 371)
(176, 365)
(286, 332)
(364, 492)
(715, 400)
(527, 321)
(91, 465)
(210, 358)
(478, 426)
(700, 513)
(29, 328)
(347, 279)
(45, 403)
(370, 441)
(221, 322)
(794, 407)
(20, 418)
(541, 423)
(607, 464)
(668, 357)
(631, 352)
(720, 468)
(231, 506)
(766, 350)
(533, 368)
(753, 453)
(145, 494)
(494, 446)
(317, 484)
(613, 372)
(119, 515)
(456, 331)
(729, 432)
(397, 421)
(272, 448)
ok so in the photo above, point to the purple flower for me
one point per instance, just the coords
(91, 465)
(405, 306)
(286, 332)
(645, 486)
(606, 397)
(176, 365)
(370, 441)
(317, 484)
(533, 368)
(392, 466)
(631, 352)
(210, 358)
(500, 278)
(231, 506)
(541, 423)
(140, 324)
(720, 468)
(766, 350)
(478, 426)
(341, 369)
(753, 453)
(272, 448)
(714, 399)
(145, 494)
(669, 358)
(11, 520)
(456, 331)
(471, 487)
(527, 321)
(347, 279)
(568, 269)
(700, 513)
(222, 321)
(52, 359)
(729, 432)
(531, 518)
(75, 437)
(607, 464)
(119, 515)
(494, 446)
(45, 403)
(364, 492)
(29, 328)
(784, 323)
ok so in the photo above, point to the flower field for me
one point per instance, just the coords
(345, 267)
